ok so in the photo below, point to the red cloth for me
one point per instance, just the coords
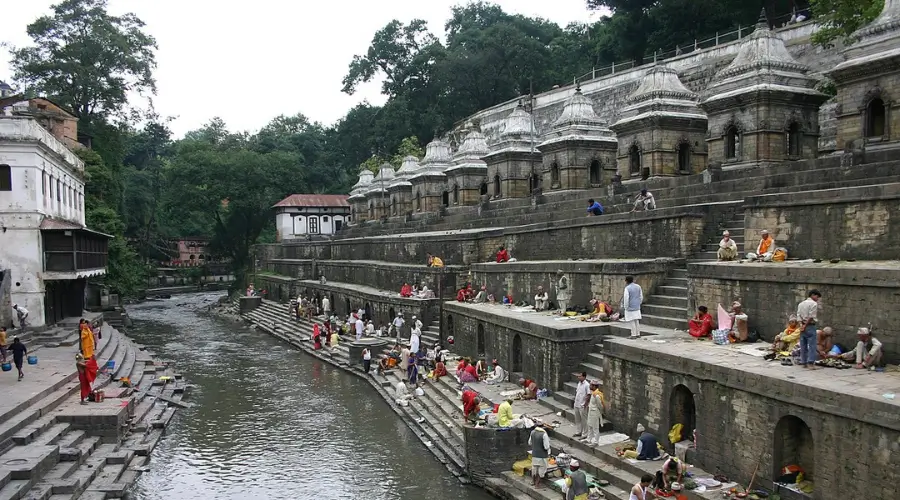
(316, 331)
(527, 383)
(470, 369)
(406, 291)
(468, 399)
(461, 295)
(701, 325)
(440, 370)
(502, 256)
(86, 376)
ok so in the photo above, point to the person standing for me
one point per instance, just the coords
(807, 313)
(326, 307)
(367, 360)
(582, 400)
(414, 341)
(540, 454)
(631, 304)
(397, 325)
(360, 328)
(87, 340)
(87, 373)
(3, 344)
(22, 315)
(19, 351)
(595, 413)
(563, 293)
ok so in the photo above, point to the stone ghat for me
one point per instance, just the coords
(55, 448)
(854, 295)
(481, 456)
(840, 426)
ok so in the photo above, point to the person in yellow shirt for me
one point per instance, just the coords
(3, 344)
(504, 414)
(87, 339)
(786, 341)
(435, 261)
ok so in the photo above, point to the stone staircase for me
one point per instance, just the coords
(53, 448)
(735, 226)
(667, 306)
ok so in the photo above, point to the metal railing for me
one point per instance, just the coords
(714, 41)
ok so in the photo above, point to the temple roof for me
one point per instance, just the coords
(408, 168)
(762, 63)
(382, 179)
(470, 152)
(517, 133)
(437, 158)
(578, 122)
(660, 94)
(877, 40)
(362, 185)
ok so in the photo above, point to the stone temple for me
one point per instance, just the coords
(738, 137)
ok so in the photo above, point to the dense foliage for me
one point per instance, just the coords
(147, 188)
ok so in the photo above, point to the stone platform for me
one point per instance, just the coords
(841, 426)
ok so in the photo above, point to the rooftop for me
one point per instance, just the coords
(314, 200)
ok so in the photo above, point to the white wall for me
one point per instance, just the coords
(21, 252)
(295, 224)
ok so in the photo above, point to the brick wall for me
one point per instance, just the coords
(744, 417)
(845, 223)
(854, 294)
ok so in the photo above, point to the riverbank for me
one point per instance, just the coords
(55, 447)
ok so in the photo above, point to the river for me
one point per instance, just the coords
(271, 422)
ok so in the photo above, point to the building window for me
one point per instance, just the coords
(684, 158)
(793, 139)
(418, 202)
(58, 189)
(496, 185)
(732, 143)
(634, 160)
(44, 184)
(313, 225)
(554, 174)
(5, 178)
(483, 188)
(445, 198)
(325, 219)
(875, 118)
(338, 224)
(595, 172)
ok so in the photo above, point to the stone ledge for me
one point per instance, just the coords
(369, 292)
(593, 266)
(541, 325)
(852, 394)
(827, 196)
(862, 273)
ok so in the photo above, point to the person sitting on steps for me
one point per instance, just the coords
(728, 249)
(764, 250)
(644, 201)
(868, 351)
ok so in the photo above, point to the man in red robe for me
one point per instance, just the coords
(701, 324)
(502, 255)
(406, 290)
(470, 405)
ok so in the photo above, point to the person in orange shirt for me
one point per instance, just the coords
(87, 340)
(765, 249)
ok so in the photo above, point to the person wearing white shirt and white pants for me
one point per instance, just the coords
(582, 400)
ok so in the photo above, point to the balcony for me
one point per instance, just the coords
(73, 252)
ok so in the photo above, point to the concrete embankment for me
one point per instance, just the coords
(55, 448)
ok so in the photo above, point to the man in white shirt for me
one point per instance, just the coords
(370, 328)
(645, 200)
(582, 400)
(326, 307)
(867, 353)
(22, 315)
(541, 299)
(631, 304)
(807, 314)
(397, 325)
(417, 324)
(414, 341)
(360, 328)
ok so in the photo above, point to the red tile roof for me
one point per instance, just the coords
(57, 224)
(314, 200)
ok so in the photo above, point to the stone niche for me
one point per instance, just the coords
(763, 107)
(746, 419)
(578, 150)
(513, 163)
(601, 279)
(868, 84)
(770, 292)
(661, 131)
(429, 184)
(843, 223)
(467, 177)
(538, 346)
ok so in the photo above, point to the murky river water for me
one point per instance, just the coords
(271, 422)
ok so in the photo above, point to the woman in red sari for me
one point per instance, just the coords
(87, 373)
(701, 325)
(317, 337)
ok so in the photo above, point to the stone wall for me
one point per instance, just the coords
(742, 418)
(546, 354)
(845, 223)
(854, 294)
(604, 280)
(489, 452)
(381, 307)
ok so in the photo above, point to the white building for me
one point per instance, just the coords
(309, 215)
(47, 254)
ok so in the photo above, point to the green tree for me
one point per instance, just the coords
(839, 19)
(87, 59)
(409, 146)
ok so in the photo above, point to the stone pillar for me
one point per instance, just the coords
(248, 304)
(489, 452)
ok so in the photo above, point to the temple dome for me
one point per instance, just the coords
(364, 182)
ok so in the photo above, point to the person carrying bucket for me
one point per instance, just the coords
(19, 350)
(87, 373)
(87, 340)
(2, 344)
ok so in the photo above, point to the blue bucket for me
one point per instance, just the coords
(32, 360)
(111, 364)
(7, 367)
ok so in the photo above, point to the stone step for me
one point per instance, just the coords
(673, 291)
(594, 371)
(557, 406)
(523, 485)
(669, 300)
(661, 310)
(664, 321)
(678, 273)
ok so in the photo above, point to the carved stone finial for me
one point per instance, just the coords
(763, 21)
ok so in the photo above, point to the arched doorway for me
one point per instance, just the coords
(456, 194)
(371, 210)
(479, 340)
(793, 445)
(445, 198)
(732, 143)
(595, 173)
(349, 309)
(554, 175)
(418, 202)
(483, 188)
(792, 138)
(683, 411)
(875, 118)
(333, 303)
(517, 353)
(634, 160)
(497, 186)
(684, 158)
(391, 315)
(368, 312)
(449, 326)
(535, 182)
